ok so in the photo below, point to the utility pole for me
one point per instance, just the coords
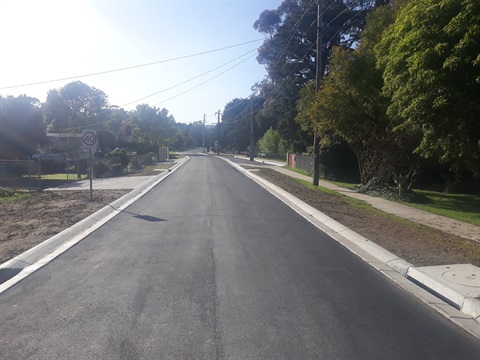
(204, 132)
(318, 80)
(252, 140)
(218, 133)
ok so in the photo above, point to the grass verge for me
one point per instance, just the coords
(456, 206)
(460, 207)
(63, 176)
(12, 195)
(298, 171)
(359, 204)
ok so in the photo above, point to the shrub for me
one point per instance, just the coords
(49, 166)
(135, 164)
(116, 170)
(101, 168)
(117, 157)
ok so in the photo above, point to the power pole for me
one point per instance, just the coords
(218, 133)
(318, 80)
(204, 132)
(252, 140)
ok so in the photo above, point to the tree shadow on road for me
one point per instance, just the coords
(139, 216)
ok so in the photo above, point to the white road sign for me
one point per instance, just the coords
(89, 138)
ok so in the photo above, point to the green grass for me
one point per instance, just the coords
(298, 171)
(352, 201)
(456, 206)
(359, 204)
(61, 176)
(339, 183)
(11, 195)
(174, 155)
(344, 184)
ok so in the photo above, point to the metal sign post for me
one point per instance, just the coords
(90, 142)
(90, 170)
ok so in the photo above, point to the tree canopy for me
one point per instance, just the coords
(289, 54)
(75, 106)
(153, 127)
(21, 126)
(430, 59)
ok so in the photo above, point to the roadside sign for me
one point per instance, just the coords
(89, 139)
(90, 142)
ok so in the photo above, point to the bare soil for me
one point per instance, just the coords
(27, 222)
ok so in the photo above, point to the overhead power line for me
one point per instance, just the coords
(186, 81)
(206, 81)
(173, 97)
(128, 67)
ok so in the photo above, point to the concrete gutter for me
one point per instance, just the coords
(31, 260)
(435, 293)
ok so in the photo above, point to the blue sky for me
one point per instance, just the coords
(48, 40)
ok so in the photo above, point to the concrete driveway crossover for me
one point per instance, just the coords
(115, 183)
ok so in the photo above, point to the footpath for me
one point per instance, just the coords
(458, 285)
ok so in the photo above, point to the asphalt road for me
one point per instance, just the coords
(209, 265)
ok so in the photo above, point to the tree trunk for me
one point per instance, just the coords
(404, 182)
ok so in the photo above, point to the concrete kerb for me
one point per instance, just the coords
(69, 237)
(381, 259)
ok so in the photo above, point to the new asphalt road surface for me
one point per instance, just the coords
(209, 265)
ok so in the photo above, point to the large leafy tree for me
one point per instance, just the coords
(351, 108)
(271, 143)
(350, 105)
(289, 52)
(234, 127)
(21, 127)
(75, 106)
(153, 127)
(291, 33)
(431, 63)
(236, 121)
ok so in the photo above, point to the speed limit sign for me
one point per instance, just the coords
(89, 138)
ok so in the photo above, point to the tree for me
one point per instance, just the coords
(289, 53)
(75, 106)
(289, 48)
(153, 128)
(271, 143)
(350, 107)
(235, 125)
(350, 103)
(106, 141)
(431, 67)
(21, 127)
(196, 131)
(116, 118)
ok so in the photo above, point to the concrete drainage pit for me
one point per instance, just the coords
(462, 277)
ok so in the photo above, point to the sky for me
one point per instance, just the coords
(49, 40)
